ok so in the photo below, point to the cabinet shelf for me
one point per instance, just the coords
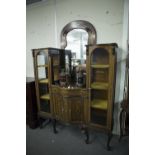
(99, 104)
(44, 81)
(45, 97)
(99, 85)
(56, 65)
(42, 66)
(100, 66)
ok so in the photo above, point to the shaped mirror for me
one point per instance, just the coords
(74, 36)
(76, 41)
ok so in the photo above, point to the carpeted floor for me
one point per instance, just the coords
(70, 141)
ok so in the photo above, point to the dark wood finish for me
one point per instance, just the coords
(31, 103)
(78, 24)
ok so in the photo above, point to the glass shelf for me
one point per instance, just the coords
(43, 81)
(42, 66)
(99, 85)
(99, 104)
(100, 66)
(45, 97)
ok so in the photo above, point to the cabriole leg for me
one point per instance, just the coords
(54, 126)
(108, 141)
(41, 122)
(87, 135)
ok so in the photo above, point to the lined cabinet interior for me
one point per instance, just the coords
(100, 69)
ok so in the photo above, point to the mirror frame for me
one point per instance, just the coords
(78, 24)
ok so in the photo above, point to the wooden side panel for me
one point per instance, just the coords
(85, 98)
(57, 101)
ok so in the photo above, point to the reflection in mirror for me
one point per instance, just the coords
(76, 41)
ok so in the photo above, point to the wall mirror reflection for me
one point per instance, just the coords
(76, 41)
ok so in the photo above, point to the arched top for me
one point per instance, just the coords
(78, 24)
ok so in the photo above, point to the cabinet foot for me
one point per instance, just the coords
(54, 126)
(41, 123)
(86, 131)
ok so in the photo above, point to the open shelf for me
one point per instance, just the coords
(45, 97)
(100, 66)
(44, 81)
(99, 104)
(99, 85)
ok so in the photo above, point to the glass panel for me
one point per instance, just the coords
(42, 73)
(41, 59)
(43, 89)
(42, 64)
(100, 75)
(98, 116)
(45, 105)
(100, 57)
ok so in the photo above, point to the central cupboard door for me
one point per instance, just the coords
(76, 109)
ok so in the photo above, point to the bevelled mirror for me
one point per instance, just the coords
(74, 36)
(76, 41)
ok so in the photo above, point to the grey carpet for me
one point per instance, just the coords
(70, 141)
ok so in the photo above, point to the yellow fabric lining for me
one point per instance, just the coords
(43, 81)
(99, 85)
(99, 104)
(45, 97)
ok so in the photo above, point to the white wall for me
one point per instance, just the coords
(40, 30)
(45, 21)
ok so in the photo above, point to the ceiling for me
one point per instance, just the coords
(28, 2)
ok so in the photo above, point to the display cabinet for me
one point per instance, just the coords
(48, 63)
(77, 94)
(101, 84)
(58, 98)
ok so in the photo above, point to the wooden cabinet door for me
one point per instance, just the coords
(76, 109)
(70, 106)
